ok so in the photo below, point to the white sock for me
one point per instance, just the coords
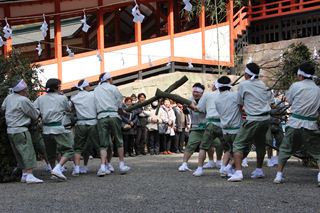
(25, 174)
(229, 166)
(211, 161)
(218, 161)
(76, 167)
(200, 168)
(58, 166)
(238, 172)
(121, 163)
(184, 164)
(279, 174)
(259, 170)
(103, 167)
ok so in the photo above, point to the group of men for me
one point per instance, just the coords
(217, 117)
(97, 113)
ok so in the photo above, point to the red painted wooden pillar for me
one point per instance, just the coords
(202, 25)
(100, 35)
(171, 27)
(138, 39)
(231, 29)
(58, 39)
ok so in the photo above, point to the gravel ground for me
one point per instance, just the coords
(155, 185)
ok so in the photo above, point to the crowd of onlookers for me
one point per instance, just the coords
(160, 128)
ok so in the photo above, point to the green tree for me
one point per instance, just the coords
(286, 72)
(12, 69)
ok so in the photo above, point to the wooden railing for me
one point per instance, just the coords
(248, 14)
(240, 21)
(281, 8)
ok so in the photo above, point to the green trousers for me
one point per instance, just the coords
(227, 144)
(58, 143)
(251, 132)
(23, 150)
(110, 127)
(211, 133)
(299, 139)
(85, 137)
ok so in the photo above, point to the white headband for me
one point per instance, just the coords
(219, 85)
(302, 73)
(84, 84)
(105, 77)
(253, 75)
(20, 86)
(197, 89)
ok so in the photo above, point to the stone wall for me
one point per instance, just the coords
(268, 55)
(149, 85)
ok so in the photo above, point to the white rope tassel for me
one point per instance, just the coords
(190, 65)
(70, 53)
(150, 61)
(169, 62)
(99, 56)
(85, 26)
(122, 60)
(188, 5)
(44, 27)
(39, 49)
(7, 30)
(137, 16)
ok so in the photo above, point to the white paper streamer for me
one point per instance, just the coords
(150, 61)
(39, 49)
(85, 26)
(70, 53)
(122, 60)
(7, 30)
(99, 56)
(137, 16)
(169, 62)
(188, 5)
(44, 27)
